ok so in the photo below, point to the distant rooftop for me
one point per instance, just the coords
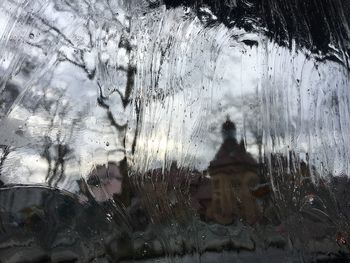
(231, 152)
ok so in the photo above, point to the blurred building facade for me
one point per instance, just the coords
(233, 174)
(227, 191)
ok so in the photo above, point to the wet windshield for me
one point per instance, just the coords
(174, 131)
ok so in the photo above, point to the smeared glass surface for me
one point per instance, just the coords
(174, 131)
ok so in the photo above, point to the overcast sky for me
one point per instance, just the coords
(206, 74)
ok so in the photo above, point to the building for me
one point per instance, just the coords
(229, 190)
(234, 175)
(163, 193)
(103, 183)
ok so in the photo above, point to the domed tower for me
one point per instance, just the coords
(228, 130)
(233, 173)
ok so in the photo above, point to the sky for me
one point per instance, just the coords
(189, 78)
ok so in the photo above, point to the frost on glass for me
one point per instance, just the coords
(174, 131)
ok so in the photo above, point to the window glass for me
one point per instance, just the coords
(174, 131)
